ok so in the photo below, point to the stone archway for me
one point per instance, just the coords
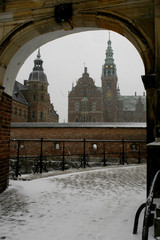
(28, 25)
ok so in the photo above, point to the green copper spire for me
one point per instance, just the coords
(109, 68)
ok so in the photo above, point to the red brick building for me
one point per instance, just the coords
(85, 101)
(31, 100)
(88, 103)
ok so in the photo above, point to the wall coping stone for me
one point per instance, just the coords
(78, 125)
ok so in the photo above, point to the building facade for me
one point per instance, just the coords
(31, 100)
(105, 103)
(85, 101)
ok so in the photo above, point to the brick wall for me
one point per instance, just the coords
(5, 118)
(73, 131)
(19, 112)
(70, 131)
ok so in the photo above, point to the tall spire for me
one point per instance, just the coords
(38, 54)
(109, 67)
(38, 73)
(109, 34)
(38, 62)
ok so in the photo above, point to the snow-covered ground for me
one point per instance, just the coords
(87, 205)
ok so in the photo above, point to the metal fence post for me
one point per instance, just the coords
(41, 156)
(84, 153)
(63, 162)
(104, 155)
(123, 151)
(17, 164)
(139, 154)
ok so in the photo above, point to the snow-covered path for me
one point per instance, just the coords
(91, 205)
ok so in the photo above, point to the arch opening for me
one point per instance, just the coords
(35, 35)
(64, 58)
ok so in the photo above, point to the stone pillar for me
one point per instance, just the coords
(149, 82)
(153, 165)
(5, 120)
(152, 87)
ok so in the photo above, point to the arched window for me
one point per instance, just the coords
(57, 146)
(94, 146)
(134, 147)
(84, 104)
(76, 120)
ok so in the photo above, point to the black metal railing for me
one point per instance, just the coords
(61, 154)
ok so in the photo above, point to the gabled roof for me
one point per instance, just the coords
(18, 95)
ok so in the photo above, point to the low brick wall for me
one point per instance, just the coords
(98, 131)
(53, 134)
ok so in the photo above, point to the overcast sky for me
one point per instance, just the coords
(65, 58)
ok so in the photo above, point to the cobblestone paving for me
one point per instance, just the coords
(71, 206)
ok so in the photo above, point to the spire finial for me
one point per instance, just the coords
(109, 33)
(38, 54)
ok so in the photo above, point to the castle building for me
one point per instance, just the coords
(31, 100)
(85, 101)
(105, 103)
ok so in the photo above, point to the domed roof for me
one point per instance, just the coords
(37, 74)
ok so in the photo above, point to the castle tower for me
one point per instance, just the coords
(109, 86)
(40, 109)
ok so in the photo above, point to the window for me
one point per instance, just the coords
(34, 86)
(42, 87)
(134, 147)
(20, 112)
(15, 111)
(94, 120)
(24, 114)
(33, 114)
(85, 106)
(41, 115)
(34, 97)
(109, 85)
(41, 97)
(84, 118)
(94, 146)
(76, 120)
(94, 106)
(57, 146)
(76, 106)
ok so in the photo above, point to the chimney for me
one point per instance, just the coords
(25, 82)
